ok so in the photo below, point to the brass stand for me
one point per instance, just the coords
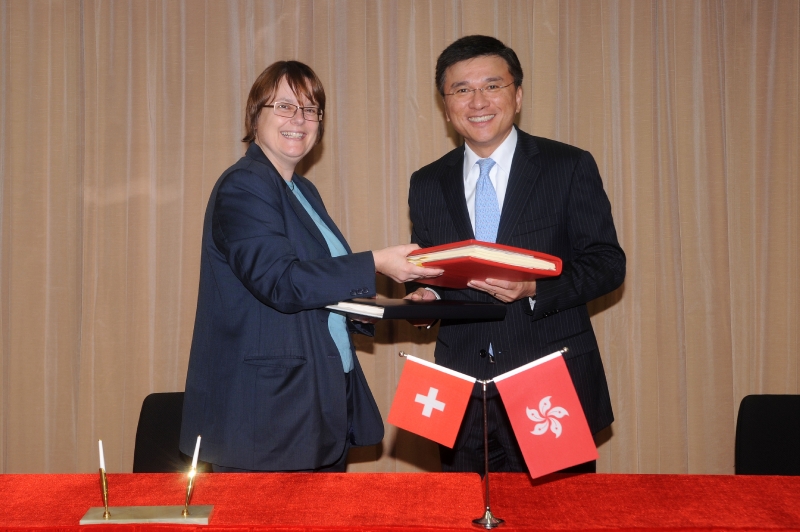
(488, 521)
(189, 487)
(128, 515)
(131, 515)
(104, 490)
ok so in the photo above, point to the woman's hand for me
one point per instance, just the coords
(392, 263)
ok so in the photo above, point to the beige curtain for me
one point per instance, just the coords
(117, 117)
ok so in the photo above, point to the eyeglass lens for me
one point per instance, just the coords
(288, 110)
(488, 90)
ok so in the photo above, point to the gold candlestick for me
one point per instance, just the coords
(189, 487)
(104, 490)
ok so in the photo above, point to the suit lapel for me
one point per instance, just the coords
(452, 183)
(521, 180)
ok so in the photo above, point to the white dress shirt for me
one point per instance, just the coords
(498, 175)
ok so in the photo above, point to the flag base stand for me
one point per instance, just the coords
(488, 521)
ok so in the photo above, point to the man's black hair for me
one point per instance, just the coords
(473, 46)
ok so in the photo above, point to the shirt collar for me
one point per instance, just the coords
(502, 156)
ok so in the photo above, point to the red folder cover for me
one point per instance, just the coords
(458, 271)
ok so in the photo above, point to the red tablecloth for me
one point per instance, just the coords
(421, 501)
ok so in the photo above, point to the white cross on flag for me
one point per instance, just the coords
(546, 415)
(430, 400)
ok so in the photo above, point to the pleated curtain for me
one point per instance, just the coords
(117, 117)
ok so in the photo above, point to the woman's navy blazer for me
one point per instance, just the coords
(265, 386)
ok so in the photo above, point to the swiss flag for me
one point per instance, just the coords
(430, 400)
(546, 415)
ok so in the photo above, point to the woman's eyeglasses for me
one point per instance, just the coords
(288, 110)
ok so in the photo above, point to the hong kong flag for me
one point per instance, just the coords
(430, 400)
(546, 415)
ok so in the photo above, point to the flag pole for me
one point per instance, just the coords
(488, 521)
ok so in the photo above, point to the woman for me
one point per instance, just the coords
(273, 381)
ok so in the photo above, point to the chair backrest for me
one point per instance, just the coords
(768, 435)
(158, 435)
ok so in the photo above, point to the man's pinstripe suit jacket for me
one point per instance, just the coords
(555, 203)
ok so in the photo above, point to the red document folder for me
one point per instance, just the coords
(474, 259)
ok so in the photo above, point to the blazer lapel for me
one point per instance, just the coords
(521, 180)
(301, 213)
(319, 207)
(254, 153)
(452, 183)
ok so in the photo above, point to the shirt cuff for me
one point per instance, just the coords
(437, 294)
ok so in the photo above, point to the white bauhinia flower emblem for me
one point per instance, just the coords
(546, 417)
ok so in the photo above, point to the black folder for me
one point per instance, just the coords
(405, 309)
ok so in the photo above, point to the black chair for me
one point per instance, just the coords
(768, 435)
(158, 434)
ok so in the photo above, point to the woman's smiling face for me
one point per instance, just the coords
(285, 141)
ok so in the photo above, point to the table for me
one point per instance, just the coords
(425, 502)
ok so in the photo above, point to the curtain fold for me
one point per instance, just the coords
(116, 119)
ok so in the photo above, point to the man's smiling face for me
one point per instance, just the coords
(484, 119)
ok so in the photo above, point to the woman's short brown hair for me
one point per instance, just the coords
(301, 79)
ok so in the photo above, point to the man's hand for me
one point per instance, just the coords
(421, 294)
(505, 291)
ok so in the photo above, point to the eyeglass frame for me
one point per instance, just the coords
(320, 112)
(472, 92)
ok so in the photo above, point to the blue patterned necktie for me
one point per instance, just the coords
(487, 211)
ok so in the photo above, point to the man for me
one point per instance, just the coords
(507, 186)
